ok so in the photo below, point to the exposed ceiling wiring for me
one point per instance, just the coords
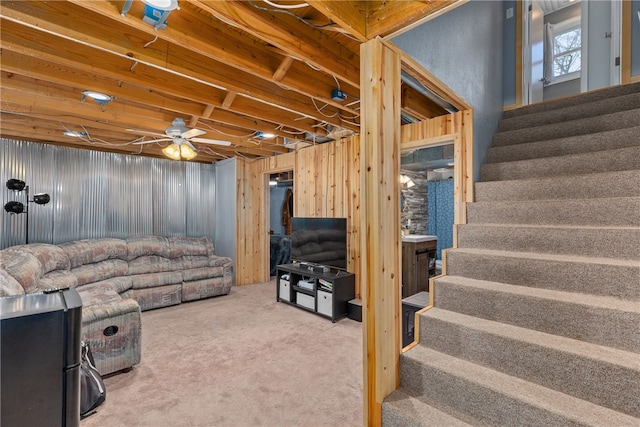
(286, 6)
(303, 20)
(320, 109)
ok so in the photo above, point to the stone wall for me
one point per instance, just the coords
(414, 215)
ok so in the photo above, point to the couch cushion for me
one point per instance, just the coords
(23, 267)
(98, 271)
(51, 257)
(151, 280)
(8, 285)
(90, 251)
(148, 245)
(151, 264)
(193, 246)
(220, 261)
(117, 284)
(187, 262)
(202, 273)
(58, 279)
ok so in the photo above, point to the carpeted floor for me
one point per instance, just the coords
(239, 360)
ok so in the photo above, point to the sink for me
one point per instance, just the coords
(416, 238)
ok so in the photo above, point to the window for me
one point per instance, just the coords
(566, 50)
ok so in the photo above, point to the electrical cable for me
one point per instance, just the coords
(320, 109)
(304, 21)
(286, 6)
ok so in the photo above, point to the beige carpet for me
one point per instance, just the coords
(239, 360)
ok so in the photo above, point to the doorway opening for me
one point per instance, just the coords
(427, 196)
(569, 47)
(280, 214)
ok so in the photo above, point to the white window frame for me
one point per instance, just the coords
(560, 28)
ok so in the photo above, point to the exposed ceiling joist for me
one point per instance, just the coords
(230, 68)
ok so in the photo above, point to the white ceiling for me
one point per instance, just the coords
(549, 6)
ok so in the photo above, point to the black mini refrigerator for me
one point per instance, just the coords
(40, 359)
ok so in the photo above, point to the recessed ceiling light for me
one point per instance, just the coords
(450, 164)
(97, 96)
(75, 133)
(162, 4)
(265, 135)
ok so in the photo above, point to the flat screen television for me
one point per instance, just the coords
(321, 241)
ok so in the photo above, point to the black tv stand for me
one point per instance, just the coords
(325, 293)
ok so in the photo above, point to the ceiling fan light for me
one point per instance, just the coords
(172, 151)
(162, 4)
(187, 151)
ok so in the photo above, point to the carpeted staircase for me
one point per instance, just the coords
(537, 321)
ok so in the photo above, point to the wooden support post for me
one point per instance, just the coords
(380, 224)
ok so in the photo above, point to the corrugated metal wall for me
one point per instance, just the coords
(96, 194)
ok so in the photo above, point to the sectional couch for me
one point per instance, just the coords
(117, 279)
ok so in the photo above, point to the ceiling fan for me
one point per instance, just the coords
(181, 137)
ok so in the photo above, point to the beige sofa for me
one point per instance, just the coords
(117, 279)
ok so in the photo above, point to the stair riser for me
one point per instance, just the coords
(604, 384)
(597, 242)
(613, 184)
(621, 211)
(604, 161)
(598, 325)
(625, 119)
(574, 100)
(484, 405)
(401, 409)
(580, 277)
(618, 138)
(592, 109)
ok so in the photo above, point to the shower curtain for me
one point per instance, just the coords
(440, 213)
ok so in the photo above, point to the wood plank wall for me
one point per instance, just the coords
(326, 183)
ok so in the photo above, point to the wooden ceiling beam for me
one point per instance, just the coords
(393, 18)
(23, 56)
(178, 62)
(283, 68)
(297, 39)
(49, 102)
(214, 40)
(350, 15)
(418, 105)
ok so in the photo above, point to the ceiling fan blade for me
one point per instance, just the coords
(148, 133)
(211, 141)
(151, 141)
(192, 132)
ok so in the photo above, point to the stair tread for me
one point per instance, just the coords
(590, 109)
(581, 411)
(592, 143)
(575, 127)
(595, 175)
(419, 411)
(618, 211)
(582, 98)
(584, 349)
(599, 301)
(552, 226)
(551, 257)
(577, 157)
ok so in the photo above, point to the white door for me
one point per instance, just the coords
(537, 53)
(600, 27)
